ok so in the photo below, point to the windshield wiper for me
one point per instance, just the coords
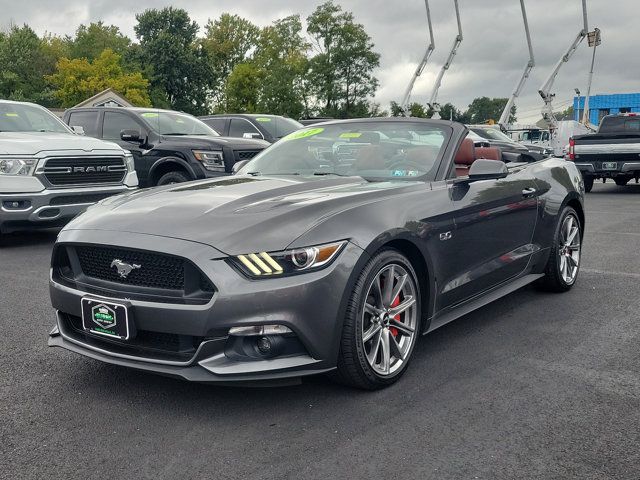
(323, 174)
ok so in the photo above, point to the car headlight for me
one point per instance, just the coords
(16, 166)
(128, 159)
(212, 160)
(289, 262)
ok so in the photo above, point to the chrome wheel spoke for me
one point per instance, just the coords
(372, 309)
(398, 288)
(406, 303)
(388, 286)
(401, 327)
(373, 330)
(572, 236)
(396, 351)
(375, 347)
(385, 362)
(377, 292)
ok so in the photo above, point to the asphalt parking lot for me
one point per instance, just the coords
(533, 386)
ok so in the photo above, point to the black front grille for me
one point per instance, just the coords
(150, 270)
(77, 199)
(148, 344)
(246, 154)
(84, 171)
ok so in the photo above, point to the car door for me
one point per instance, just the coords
(112, 124)
(494, 226)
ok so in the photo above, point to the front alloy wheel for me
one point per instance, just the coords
(389, 319)
(382, 322)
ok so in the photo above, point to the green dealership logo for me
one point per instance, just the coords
(103, 316)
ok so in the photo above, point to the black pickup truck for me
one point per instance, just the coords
(167, 146)
(612, 152)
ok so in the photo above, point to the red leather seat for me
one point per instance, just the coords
(464, 157)
(489, 153)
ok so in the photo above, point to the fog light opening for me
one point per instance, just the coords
(264, 345)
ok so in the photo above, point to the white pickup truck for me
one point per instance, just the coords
(48, 173)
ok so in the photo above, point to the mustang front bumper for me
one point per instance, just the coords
(311, 305)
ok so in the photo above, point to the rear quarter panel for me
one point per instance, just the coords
(559, 183)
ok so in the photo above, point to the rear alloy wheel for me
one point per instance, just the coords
(173, 177)
(382, 324)
(564, 260)
(588, 183)
(621, 181)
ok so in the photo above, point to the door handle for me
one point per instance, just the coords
(529, 192)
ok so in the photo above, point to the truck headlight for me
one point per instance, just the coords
(290, 262)
(128, 159)
(16, 166)
(212, 160)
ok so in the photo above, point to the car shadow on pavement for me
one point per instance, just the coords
(28, 239)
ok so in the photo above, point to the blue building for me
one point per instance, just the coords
(601, 105)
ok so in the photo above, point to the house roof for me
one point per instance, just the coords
(105, 98)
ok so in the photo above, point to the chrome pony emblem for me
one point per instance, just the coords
(124, 268)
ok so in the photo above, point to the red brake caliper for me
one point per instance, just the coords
(395, 303)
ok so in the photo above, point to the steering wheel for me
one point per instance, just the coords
(405, 162)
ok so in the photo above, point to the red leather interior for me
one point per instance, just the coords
(466, 153)
(464, 157)
(489, 153)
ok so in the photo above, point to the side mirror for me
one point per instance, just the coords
(483, 169)
(130, 136)
(252, 135)
(238, 165)
(77, 129)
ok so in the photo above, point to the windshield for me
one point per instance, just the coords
(174, 123)
(21, 117)
(492, 134)
(373, 150)
(278, 127)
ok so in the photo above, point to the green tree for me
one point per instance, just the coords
(179, 70)
(227, 42)
(485, 109)
(243, 87)
(415, 110)
(91, 40)
(281, 57)
(77, 79)
(25, 60)
(341, 72)
(449, 112)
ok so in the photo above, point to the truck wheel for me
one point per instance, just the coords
(588, 184)
(563, 265)
(621, 181)
(173, 177)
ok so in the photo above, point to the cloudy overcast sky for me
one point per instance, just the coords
(489, 63)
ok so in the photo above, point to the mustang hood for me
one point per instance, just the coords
(234, 214)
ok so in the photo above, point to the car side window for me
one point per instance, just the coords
(216, 123)
(239, 127)
(115, 122)
(87, 120)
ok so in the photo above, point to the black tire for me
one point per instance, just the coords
(553, 280)
(621, 181)
(175, 176)
(588, 183)
(353, 367)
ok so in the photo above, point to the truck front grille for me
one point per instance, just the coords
(84, 171)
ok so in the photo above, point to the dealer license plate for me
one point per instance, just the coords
(105, 318)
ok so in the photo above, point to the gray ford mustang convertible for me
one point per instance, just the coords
(332, 251)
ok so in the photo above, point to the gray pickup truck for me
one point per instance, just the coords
(612, 152)
(48, 173)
